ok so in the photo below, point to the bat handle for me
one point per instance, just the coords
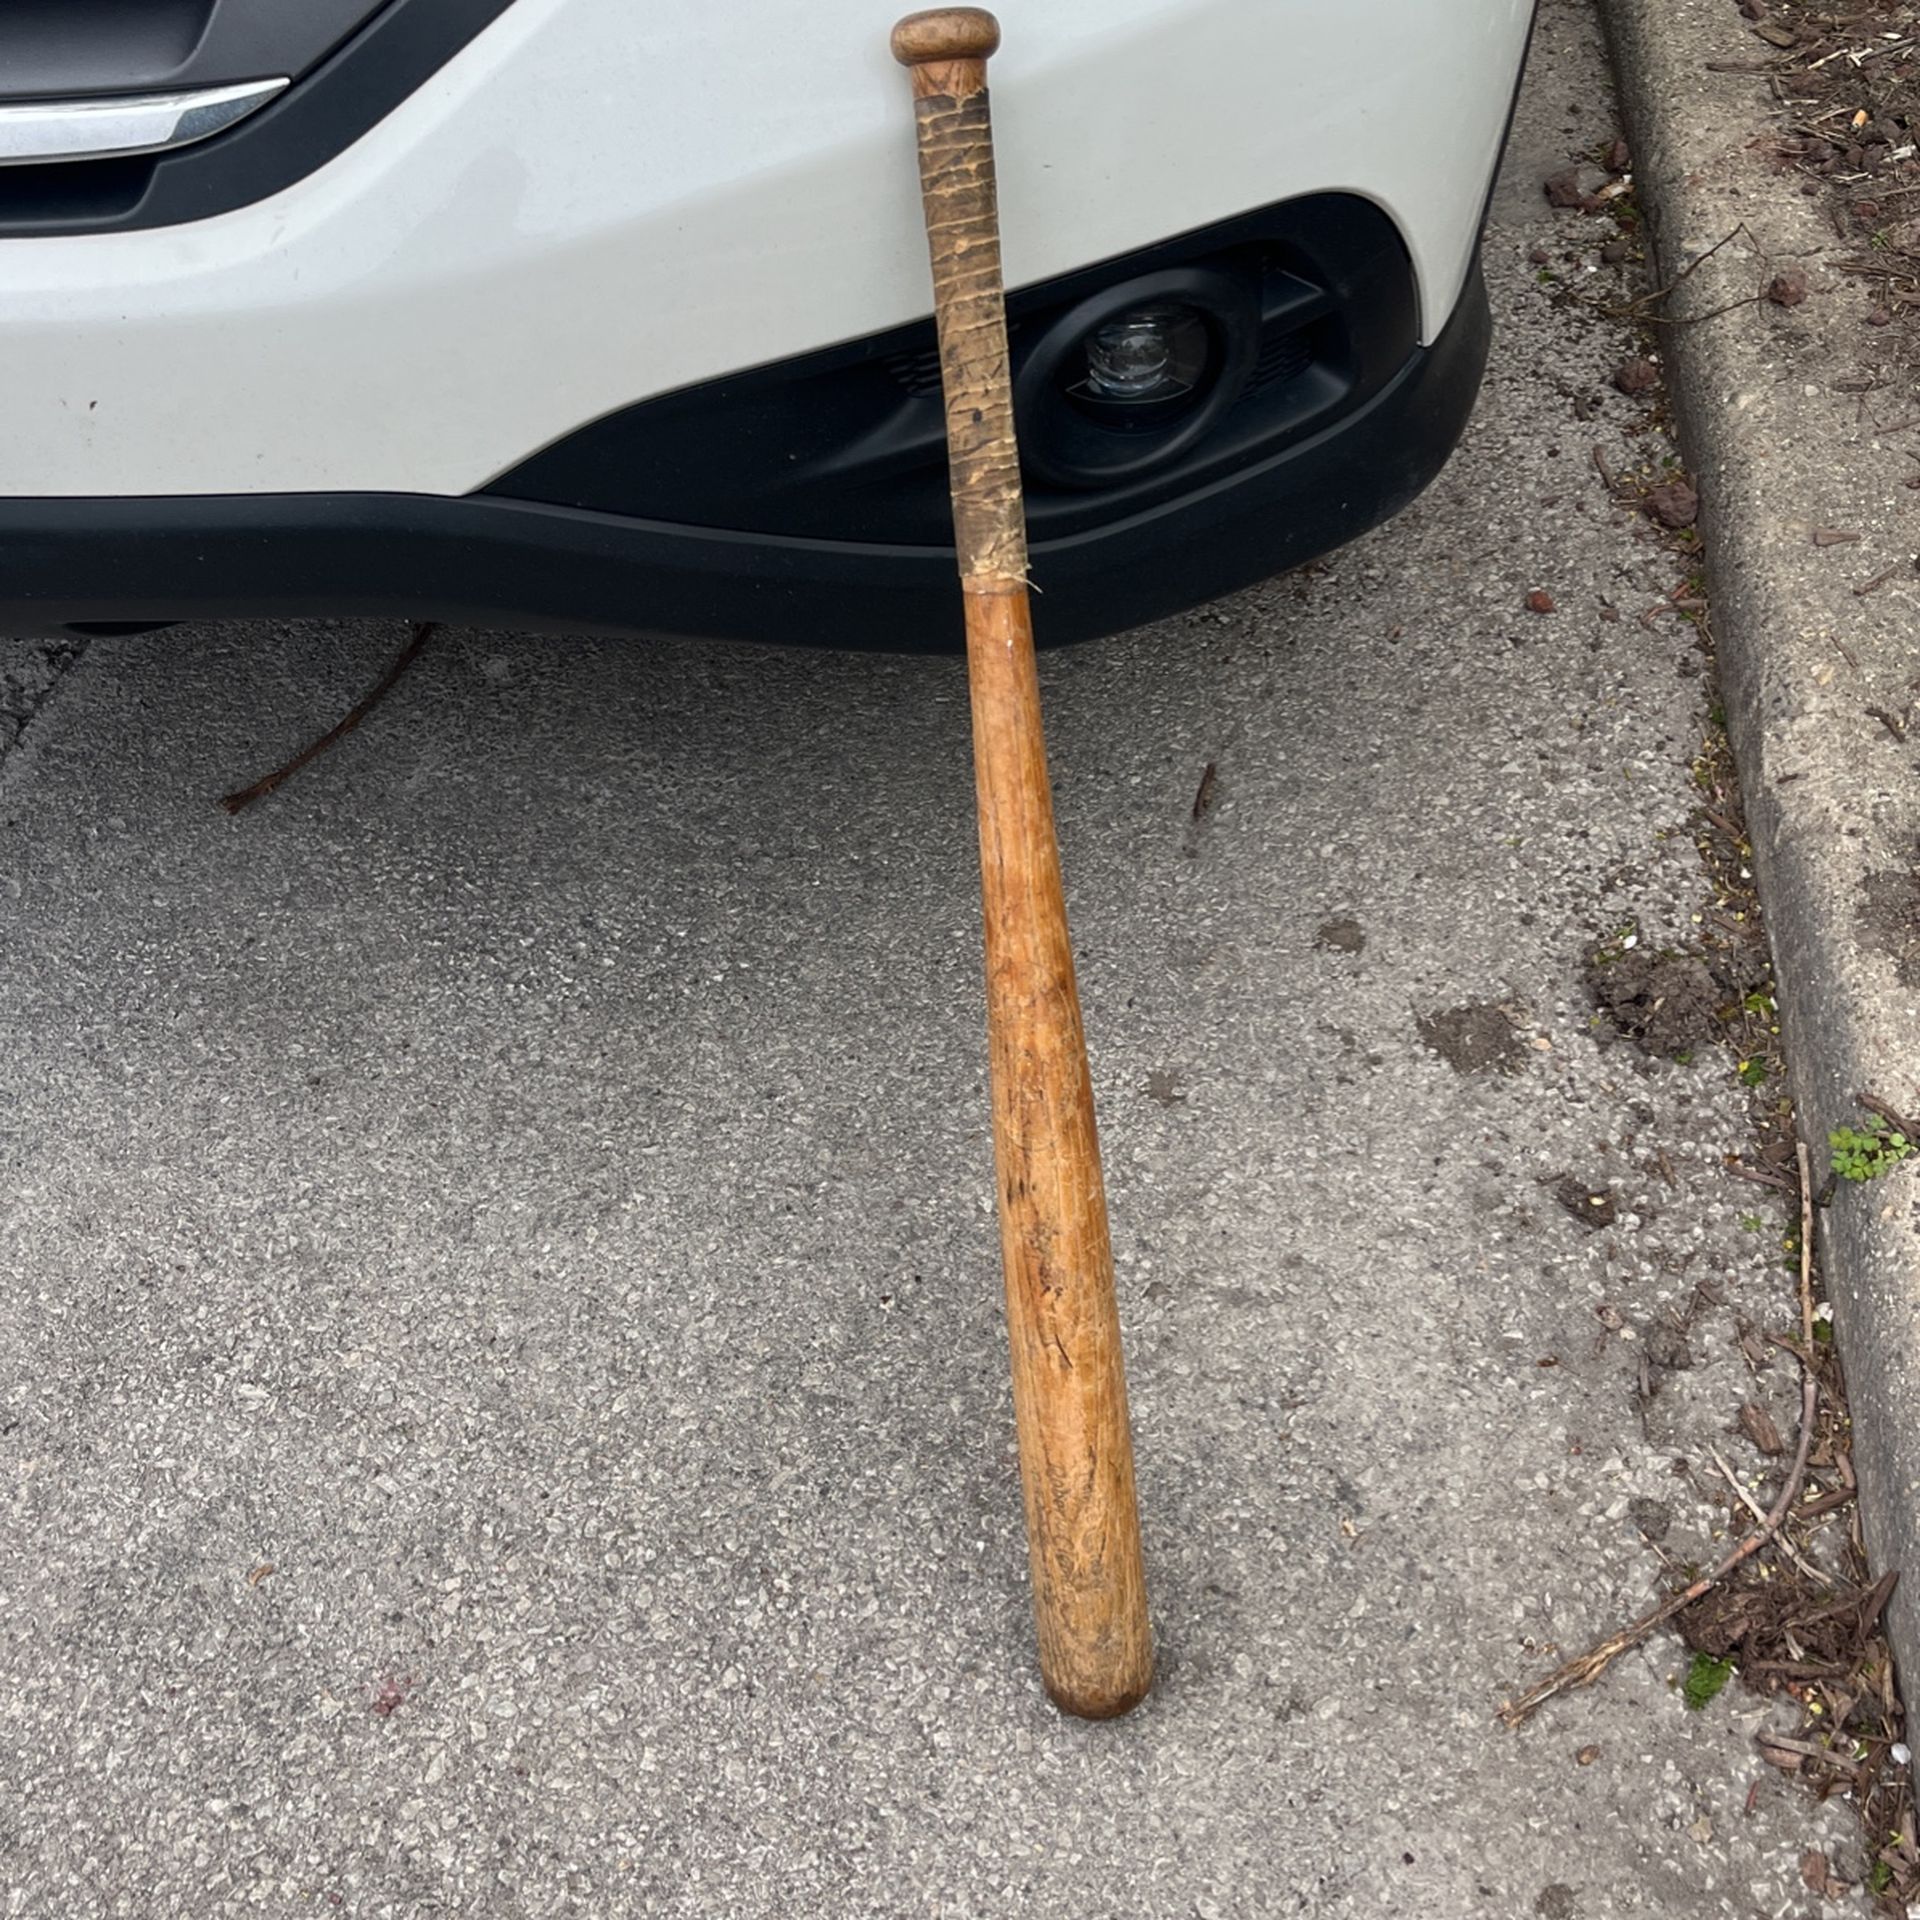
(1063, 1326)
(946, 52)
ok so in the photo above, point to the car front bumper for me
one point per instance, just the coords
(489, 559)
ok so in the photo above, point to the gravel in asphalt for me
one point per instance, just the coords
(502, 1391)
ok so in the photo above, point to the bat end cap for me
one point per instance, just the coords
(945, 33)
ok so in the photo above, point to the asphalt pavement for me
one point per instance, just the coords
(502, 1386)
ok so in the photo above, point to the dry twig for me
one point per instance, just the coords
(1759, 1512)
(1635, 309)
(246, 796)
(1806, 1249)
(1760, 1176)
(1892, 1115)
(1588, 1668)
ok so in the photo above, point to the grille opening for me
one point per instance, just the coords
(917, 373)
(72, 192)
(1283, 357)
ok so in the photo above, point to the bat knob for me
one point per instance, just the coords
(945, 33)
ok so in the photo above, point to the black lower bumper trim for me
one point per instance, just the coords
(482, 560)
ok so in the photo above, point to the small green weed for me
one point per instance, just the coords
(1865, 1154)
(1705, 1677)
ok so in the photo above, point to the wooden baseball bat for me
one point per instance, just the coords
(1069, 1384)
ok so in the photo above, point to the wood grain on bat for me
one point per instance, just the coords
(1069, 1384)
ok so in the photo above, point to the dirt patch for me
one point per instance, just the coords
(1340, 935)
(1846, 84)
(1164, 1087)
(1593, 1206)
(1665, 1003)
(1820, 1643)
(1475, 1038)
(1654, 1518)
(1667, 1347)
(1889, 919)
(1764, 1615)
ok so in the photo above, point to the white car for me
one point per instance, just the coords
(601, 314)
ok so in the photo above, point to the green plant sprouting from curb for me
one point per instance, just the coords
(1867, 1153)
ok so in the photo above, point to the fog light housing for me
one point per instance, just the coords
(1124, 382)
(1147, 356)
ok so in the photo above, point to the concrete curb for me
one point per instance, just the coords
(1784, 440)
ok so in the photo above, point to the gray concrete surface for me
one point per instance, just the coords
(1800, 419)
(501, 1386)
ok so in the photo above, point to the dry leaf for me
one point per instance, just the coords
(1757, 1424)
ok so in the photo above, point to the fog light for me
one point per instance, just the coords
(1124, 381)
(1146, 355)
